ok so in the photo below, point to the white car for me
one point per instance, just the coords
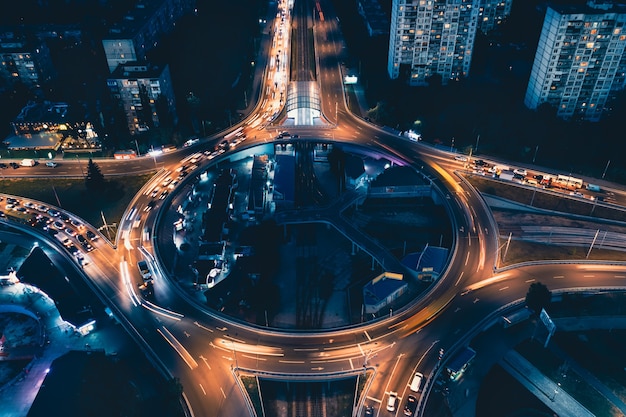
(520, 171)
(461, 158)
(391, 402)
(51, 164)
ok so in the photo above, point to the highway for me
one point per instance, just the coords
(205, 350)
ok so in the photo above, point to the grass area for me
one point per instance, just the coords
(251, 385)
(73, 196)
(571, 382)
(522, 251)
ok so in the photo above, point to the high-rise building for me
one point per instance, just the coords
(25, 61)
(580, 62)
(429, 37)
(141, 29)
(145, 92)
(492, 13)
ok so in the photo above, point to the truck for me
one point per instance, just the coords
(594, 188)
(507, 175)
(28, 163)
(144, 270)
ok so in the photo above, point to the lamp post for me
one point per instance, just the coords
(80, 166)
(605, 168)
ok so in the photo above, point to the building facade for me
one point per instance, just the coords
(580, 63)
(26, 61)
(492, 13)
(145, 93)
(141, 29)
(429, 37)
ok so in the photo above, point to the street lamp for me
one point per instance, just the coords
(80, 166)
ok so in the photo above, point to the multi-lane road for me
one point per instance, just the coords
(205, 350)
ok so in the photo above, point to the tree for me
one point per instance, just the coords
(95, 179)
(538, 297)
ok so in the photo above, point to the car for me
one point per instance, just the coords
(173, 184)
(76, 224)
(166, 181)
(480, 163)
(67, 242)
(3, 165)
(41, 208)
(520, 171)
(29, 205)
(91, 235)
(71, 232)
(53, 213)
(14, 165)
(12, 200)
(410, 406)
(577, 194)
(73, 249)
(58, 225)
(2, 214)
(64, 217)
(369, 411)
(51, 164)
(155, 192)
(87, 246)
(81, 238)
(391, 402)
(163, 195)
(20, 210)
(461, 158)
(416, 382)
(149, 206)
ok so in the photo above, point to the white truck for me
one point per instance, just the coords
(28, 163)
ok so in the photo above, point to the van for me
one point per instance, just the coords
(416, 382)
(27, 163)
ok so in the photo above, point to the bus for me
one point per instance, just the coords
(567, 182)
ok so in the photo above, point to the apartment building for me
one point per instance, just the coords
(27, 61)
(140, 30)
(145, 93)
(429, 37)
(580, 62)
(493, 13)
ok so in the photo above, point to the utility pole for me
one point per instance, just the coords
(80, 166)
(605, 168)
(106, 226)
(508, 242)
(592, 243)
